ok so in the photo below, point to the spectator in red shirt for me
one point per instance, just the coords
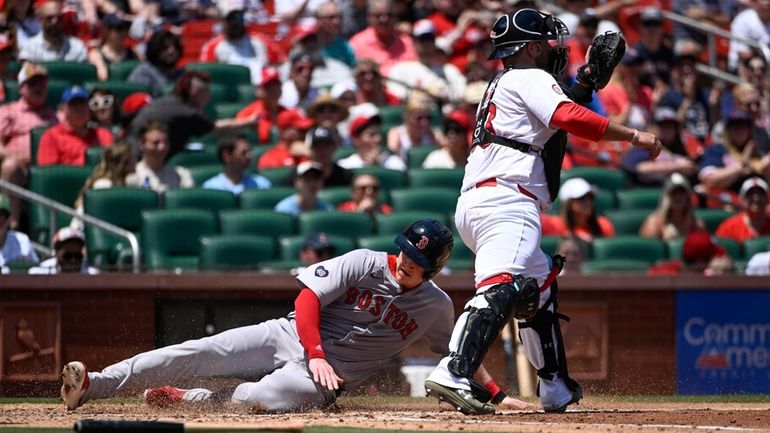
(365, 196)
(267, 106)
(17, 119)
(381, 41)
(290, 149)
(578, 213)
(753, 221)
(700, 256)
(66, 143)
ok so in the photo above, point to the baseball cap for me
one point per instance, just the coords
(269, 74)
(589, 18)
(423, 28)
(322, 134)
(665, 114)
(318, 242)
(309, 167)
(632, 57)
(74, 92)
(651, 14)
(304, 30)
(135, 102)
(676, 180)
(303, 56)
(342, 87)
(293, 118)
(699, 247)
(66, 234)
(31, 70)
(474, 92)
(5, 204)
(115, 21)
(459, 117)
(575, 188)
(361, 121)
(326, 99)
(751, 183)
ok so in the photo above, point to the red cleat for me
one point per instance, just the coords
(165, 396)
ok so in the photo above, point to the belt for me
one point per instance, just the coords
(492, 181)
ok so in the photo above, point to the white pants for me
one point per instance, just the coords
(268, 356)
(502, 226)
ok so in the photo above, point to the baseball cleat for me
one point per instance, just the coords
(576, 393)
(165, 396)
(461, 399)
(74, 383)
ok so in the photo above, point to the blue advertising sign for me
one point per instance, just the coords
(723, 342)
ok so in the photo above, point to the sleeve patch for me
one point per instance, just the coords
(321, 272)
(557, 88)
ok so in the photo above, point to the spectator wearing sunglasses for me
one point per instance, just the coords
(416, 131)
(369, 85)
(68, 244)
(112, 46)
(454, 151)
(104, 110)
(365, 196)
(297, 91)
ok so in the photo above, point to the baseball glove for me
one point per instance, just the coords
(606, 52)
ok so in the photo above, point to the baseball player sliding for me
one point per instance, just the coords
(354, 313)
(512, 173)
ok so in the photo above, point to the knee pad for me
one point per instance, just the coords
(502, 301)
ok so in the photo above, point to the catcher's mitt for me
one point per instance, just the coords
(606, 52)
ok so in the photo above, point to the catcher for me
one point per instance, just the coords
(513, 173)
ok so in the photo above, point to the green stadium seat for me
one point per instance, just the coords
(549, 244)
(55, 90)
(451, 178)
(348, 224)
(120, 71)
(342, 153)
(19, 267)
(61, 183)
(462, 259)
(212, 200)
(379, 243)
(121, 207)
(279, 176)
(604, 200)
(202, 173)
(120, 88)
(336, 195)
(291, 245)
(756, 245)
(627, 222)
(94, 156)
(193, 158)
(417, 155)
(235, 252)
(630, 248)
(245, 93)
(441, 200)
(604, 178)
(12, 91)
(614, 266)
(265, 199)
(14, 66)
(389, 179)
(227, 110)
(233, 75)
(731, 246)
(170, 237)
(713, 217)
(392, 115)
(639, 198)
(34, 142)
(74, 72)
(257, 222)
(396, 222)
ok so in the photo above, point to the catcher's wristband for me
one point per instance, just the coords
(499, 397)
(497, 394)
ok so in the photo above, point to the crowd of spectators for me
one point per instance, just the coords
(326, 76)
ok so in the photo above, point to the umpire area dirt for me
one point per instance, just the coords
(591, 415)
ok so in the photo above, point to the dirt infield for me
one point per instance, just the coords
(592, 415)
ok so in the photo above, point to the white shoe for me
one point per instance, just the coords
(74, 383)
(555, 396)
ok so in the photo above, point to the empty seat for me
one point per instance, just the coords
(291, 245)
(94, 156)
(462, 259)
(227, 110)
(630, 248)
(61, 183)
(212, 200)
(73, 72)
(397, 222)
(415, 156)
(34, 142)
(712, 217)
(392, 115)
(202, 173)
(121, 70)
(279, 176)
(605, 178)
(451, 178)
(56, 88)
(195, 158)
(627, 222)
(264, 198)
(348, 224)
(170, 237)
(235, 252)
(441, 200)
(257, 222)
(549, 244)
(639, 198)
(756, 245)
(119, 206)
(379, 243)
(604, 266)
(389, 179)
(343, 152)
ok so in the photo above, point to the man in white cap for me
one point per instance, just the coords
(69, 245)
(753, 221)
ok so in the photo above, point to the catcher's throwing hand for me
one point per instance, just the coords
(645, 140)
(324, 374)
(512, 403)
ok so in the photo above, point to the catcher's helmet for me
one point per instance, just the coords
(514, 29)
(429, 243)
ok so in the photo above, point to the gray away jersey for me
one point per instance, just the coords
(366, 319)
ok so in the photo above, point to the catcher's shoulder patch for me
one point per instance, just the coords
(321, 272)
(557, 88)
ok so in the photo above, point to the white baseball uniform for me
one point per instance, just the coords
(503, 191)
(366, 320)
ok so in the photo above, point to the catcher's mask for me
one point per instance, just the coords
(513, 30)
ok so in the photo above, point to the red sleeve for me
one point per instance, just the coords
(580, 121)
(307, 309)
(492, 387)
(47, 153)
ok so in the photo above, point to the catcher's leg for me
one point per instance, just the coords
(544, 347)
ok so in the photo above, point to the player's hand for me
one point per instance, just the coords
(645, 140)
(512, 403)
(324, 374)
